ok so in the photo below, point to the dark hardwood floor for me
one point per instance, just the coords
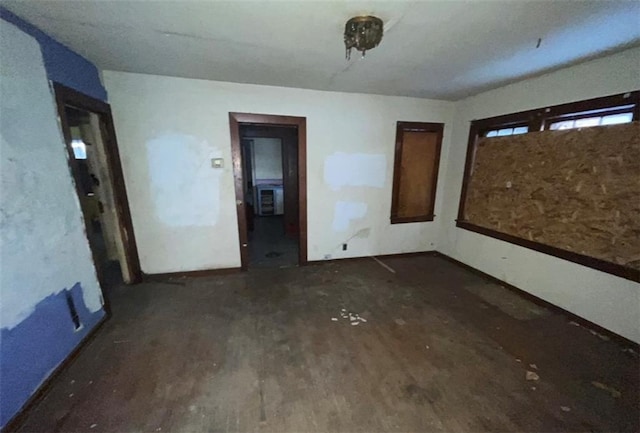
(441, 350)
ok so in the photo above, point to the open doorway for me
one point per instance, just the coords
(88, 130)
(269, 161)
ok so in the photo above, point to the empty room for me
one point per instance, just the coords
(319, 216)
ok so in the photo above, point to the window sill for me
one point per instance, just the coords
(416, 219)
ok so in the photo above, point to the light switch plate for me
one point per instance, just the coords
(217, 163)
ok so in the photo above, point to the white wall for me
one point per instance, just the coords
(607, 300)
(43, 246)
(184, 212)
(267, 161)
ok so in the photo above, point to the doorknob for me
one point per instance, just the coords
(239, 202)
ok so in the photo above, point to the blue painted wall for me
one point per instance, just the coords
(62, 65)
(31, 350)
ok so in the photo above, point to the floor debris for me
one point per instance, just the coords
(531, 375)
(93, 426)
(354, 318)
(533, 366)
(565, 408)
(400, 322)
(614, 392)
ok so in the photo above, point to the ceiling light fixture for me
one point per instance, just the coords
(362, 33)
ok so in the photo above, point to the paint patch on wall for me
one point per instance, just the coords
(355, 169)
(184, 188)
(38, 344)
(345, 211)
(42, 235)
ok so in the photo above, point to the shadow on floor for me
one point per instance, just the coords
(270, 246)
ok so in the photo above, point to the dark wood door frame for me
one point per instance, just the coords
(235, 119)
(67, 97)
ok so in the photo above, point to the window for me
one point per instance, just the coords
(415, 171)
(507, 131)
(600, 120)
(79, 149)
(609, 110)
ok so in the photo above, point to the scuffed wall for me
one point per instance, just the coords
(350, 152)
(45, 256)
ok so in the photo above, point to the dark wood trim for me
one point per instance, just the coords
(190, 274)
(235, 119)
(538, 116)
(468, 164)
(18, 419)
(591, 262)
(415, 219)
(236, 157)
(539, 119)
(302, 191)
(545, 304)
(66, 96)
(401, 127)
(550, 120)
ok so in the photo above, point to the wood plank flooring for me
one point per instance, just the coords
(441, 350)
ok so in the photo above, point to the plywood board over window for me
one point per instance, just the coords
(415, 172)
(576, 190)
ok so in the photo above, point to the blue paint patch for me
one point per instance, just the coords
(62, 64)
(31, 351)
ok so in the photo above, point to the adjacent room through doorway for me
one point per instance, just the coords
(270, 182)
(94, 161)
(269, 167)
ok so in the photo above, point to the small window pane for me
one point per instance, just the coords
(79, 149)
(506, 131)
(492, 133)
(589, 121)
(616, 119)
(520, 130)
(565, 124)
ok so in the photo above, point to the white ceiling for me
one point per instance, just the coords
(432, 49)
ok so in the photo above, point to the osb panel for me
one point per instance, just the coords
(578, 190)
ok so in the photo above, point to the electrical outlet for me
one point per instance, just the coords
(344, 247)
(217, 163)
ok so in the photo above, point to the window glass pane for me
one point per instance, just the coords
(506, 131)
(589, 121)
(565, 124)
(615, 119)
(492, 133)
(79, 149)
(521, 130)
